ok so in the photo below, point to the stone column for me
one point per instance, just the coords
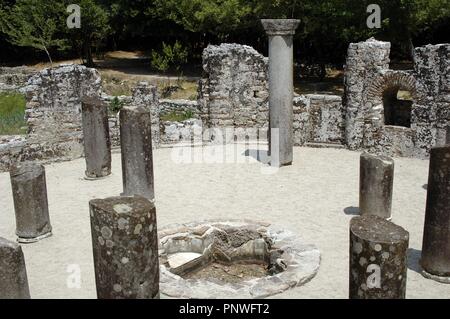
(376, 181)
(281, 88)
(97, 144)
(378, 259)
(436, 235)
(13, 273)
(125, 246)
(29, 190)
(146, 95)
(136, 146)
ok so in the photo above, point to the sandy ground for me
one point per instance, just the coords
(315, 197)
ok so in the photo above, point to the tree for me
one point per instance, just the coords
(218, 17)
(34, 23)
(94, 29)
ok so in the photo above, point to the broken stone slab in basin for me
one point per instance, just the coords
(180, 263)
(190, 259)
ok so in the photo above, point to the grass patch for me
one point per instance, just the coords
(12, 113)
(177, 116)
(116, 86)
(185, 90)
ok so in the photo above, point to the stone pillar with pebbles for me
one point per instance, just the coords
(281, 88)
(97, 144)
(29, 190)
(378, 259)
(436, 236)
(136, 147)
(13, 273)
(125, 246)
(146, 95)
(376, 182)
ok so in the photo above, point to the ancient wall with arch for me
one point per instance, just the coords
(233, 93)
(377, 118)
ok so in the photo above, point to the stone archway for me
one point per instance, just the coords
(383, 102)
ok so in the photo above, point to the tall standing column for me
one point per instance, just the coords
(97, 144)
(281, 88)
(125, 247)
(435, 259)
(136, 147)
(376, 180)
(13, 273)
(378, 259)
(29, 190)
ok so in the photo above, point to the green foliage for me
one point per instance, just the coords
(12, 112)
(115, 105)
(326, 28)
(36, 24)
(94, 29)
(171, 56)
(212, 16)
(177, 116)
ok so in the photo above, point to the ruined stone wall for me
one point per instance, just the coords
(432, 69)
(234, 89)
(146, 95)
(143, 94)
(370, 86)
(234, 93)
(53, 111)
(364, 61)
(167, 106)
(11, 148)
(15, 78)
(318, 118)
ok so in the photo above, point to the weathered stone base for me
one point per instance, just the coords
(441, 279)
(96, 178)
(23, 240)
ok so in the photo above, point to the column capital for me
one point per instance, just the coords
(280, 26)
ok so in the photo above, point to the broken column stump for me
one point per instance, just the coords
(376, 182)
(435, 259)
(125, 246)
(13, 273)
(97, 144)
(136, 148)
(378, 259)
(29, 190)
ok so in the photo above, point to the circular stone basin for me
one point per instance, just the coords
(232, 259)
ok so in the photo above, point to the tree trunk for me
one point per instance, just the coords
(48, 54)
(411, 48)
(88, 53)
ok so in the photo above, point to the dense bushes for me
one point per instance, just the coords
(327, 26)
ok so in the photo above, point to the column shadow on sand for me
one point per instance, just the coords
(259, 155)
(351, 210)
(414, 259)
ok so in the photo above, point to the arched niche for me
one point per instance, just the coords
(392, 95)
